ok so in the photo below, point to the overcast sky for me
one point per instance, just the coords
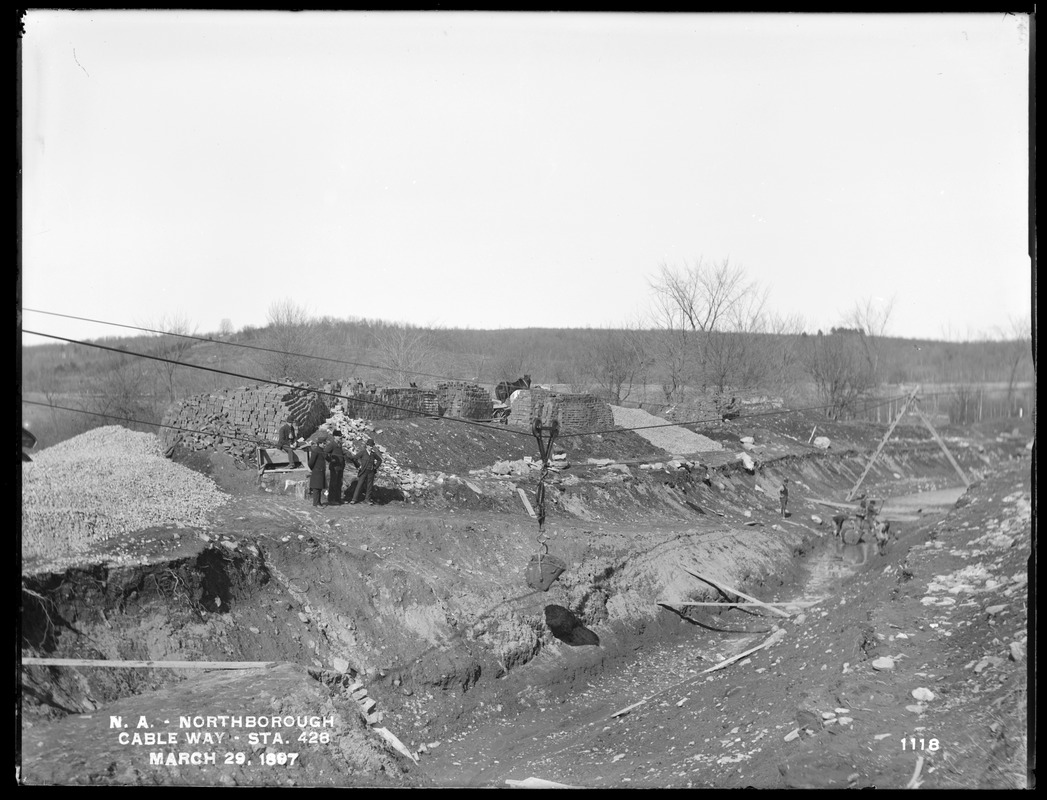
(507, 170)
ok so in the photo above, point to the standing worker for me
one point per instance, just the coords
(838, 521)
(863, 515)
(335, 456)
(369, 460)
(286, 442)
(783, 495)
(319, 469)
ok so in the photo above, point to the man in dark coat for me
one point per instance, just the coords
(286, 440)
(319, 469)
(335, 456)
(369, 460)
(783, 495)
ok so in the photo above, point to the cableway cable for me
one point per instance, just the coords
(243, 345)
(414, 412)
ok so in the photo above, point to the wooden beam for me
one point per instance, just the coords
(890, 430)
(627, 709)
(941, 444)
(527, 503)
(101, 662)
(727, 588)
(774, 638)
(681, 603)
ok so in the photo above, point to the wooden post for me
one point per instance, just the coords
(875, 455)
(941, 444)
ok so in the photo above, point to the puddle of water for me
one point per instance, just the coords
(941, 498)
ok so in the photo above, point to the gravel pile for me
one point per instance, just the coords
(672, 439)
(103, 483)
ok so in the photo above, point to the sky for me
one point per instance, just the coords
(509, 170)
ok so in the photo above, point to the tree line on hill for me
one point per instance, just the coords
(710, 335)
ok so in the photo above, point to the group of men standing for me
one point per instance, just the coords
(327, 457)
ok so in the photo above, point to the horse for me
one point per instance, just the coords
(505, 388)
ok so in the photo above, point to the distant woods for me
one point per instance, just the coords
(707, 337)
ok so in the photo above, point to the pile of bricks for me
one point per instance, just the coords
(466, 400)
(520, 409)
(576, 413)
(394, 403)
(238, 420)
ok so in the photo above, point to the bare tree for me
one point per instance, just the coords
(962, 408)
(1017, 349)
(842, 370)
(710, 315)
(614, 359)
(225, 328)
(872, 317)
(704, 294)
(672, 348)
(292, 345)
(404, 351)
(173, 346)
(734, 358)
(784, 358)
(128, 392)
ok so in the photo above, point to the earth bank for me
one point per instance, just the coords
(422, 604)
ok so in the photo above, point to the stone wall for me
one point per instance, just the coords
(225, 419)
(467, 400)
(398, 403)
(520, 408)
(575, 412)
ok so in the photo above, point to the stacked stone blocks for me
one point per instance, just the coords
(237, 420)
(576, 413)
(390, 403)
(462, 399)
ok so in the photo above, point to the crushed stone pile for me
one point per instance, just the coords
(105, 482)
(391, 475)
(672, 439)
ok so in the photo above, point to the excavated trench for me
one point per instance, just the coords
(424, 618)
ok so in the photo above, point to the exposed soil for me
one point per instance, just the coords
(415, 617)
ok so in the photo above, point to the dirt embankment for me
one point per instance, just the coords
(422, 605)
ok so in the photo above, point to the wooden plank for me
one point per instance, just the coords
(627, 709)
(388, 735)
(101, 662)
(726, 605)
(538, 783)
(833, 503)
(527, 503)
(772, 639)
(941, 444)
(727, 588)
